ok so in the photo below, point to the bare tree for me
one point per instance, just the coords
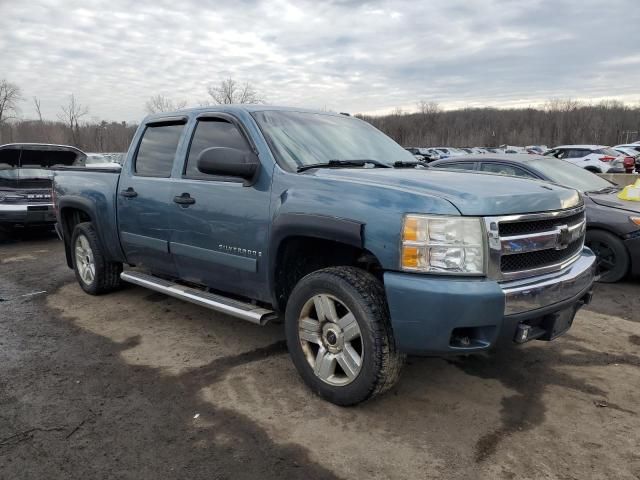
(71, 115)
(428, 108)
(36, 104)
(160, 103)
(229, 91)
(10, 95)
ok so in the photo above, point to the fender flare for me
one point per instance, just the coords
(324, 227)
(77, 203)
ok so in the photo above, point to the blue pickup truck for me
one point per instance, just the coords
(263, 212)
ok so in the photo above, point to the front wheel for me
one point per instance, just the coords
(95, 274)
(612, 256)
(339, 335)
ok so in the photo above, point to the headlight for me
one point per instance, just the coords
(437, 243)
(635, 220)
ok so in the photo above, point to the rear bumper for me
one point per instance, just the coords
(449, 315)
(31, 214)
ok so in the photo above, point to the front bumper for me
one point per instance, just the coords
(27, 214)
(451, 315)
(633, 247)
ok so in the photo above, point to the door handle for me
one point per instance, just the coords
(129, 193)
(184, 200)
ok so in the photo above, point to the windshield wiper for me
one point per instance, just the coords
(343, 164)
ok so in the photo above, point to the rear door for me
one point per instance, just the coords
(220, 237)
(144, 197)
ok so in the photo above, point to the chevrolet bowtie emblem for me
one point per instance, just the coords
(563, 238)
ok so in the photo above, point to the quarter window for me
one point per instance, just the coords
(157, 150)
(212, 133)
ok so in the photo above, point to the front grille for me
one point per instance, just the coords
(535, 226)
(42, 196)
(539, 259)
(526, 245)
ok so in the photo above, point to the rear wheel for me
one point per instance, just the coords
(95, 274)
(339, 335)
(613, 259)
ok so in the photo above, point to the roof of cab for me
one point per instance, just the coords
(41, 146)
(231, 108)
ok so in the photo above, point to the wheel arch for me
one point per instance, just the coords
(71, 212)
(302, 243)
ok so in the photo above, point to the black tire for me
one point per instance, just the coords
(613, 258)
(107, 273)
(593, 169)
(363, 295)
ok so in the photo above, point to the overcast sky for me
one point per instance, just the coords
(343, 55)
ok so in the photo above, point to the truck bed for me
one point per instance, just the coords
(94, 190)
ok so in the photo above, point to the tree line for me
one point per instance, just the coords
(556, 122)
(73, 128)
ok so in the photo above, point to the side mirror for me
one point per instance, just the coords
(228, 162)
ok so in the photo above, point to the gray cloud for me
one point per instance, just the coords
(343, 55)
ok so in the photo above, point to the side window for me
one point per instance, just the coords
(212, 133)
(157, 150)
(503, 169)
(577, 153)
(459, 165)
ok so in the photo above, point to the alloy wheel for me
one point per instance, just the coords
(85, 262)
(331, 340)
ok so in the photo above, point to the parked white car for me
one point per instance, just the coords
(595, 158)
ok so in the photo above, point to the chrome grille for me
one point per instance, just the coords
(525, 245)
(39, 196)
(536, 226)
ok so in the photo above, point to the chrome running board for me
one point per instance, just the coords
(235, 308)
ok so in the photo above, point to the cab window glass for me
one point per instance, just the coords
(157, 150)
(208, 134)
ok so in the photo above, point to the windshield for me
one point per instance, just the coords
(567, 174)
(303, 138)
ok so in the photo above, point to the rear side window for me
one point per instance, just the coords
(212, 133)
(157, 150)
(459, 166)
(578, 153)
(504, 169)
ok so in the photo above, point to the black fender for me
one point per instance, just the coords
(324, 227)
(77, 203)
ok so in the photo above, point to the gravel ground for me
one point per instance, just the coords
(138, 385)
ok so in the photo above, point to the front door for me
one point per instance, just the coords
(144, 199)
(220, 225)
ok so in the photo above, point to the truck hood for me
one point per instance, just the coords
(474, 194)
(612, 200)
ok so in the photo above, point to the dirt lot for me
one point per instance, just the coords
(137, 385)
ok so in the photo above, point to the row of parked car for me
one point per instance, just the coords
(624, 158)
